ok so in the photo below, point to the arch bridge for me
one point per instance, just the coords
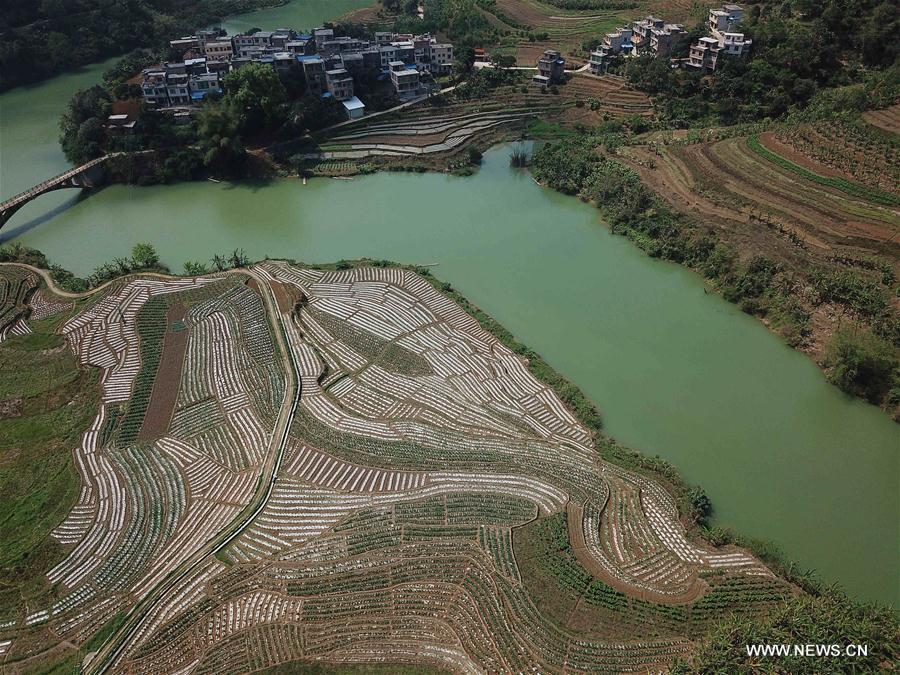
(88, 175)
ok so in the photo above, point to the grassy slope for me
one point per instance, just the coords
(49, 401)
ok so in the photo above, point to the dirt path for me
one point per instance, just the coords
(168, 377)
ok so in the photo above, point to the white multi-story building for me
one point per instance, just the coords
(405, 79)
(724, 18)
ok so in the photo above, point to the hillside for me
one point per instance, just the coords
(41, 39)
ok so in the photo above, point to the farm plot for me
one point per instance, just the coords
(421, 444)
(556, 28)
(16, 286)
(731, 183)
(412, 137)
(887, 119)
(147, 502)
(848, 150)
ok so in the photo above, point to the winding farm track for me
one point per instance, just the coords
(112, 649)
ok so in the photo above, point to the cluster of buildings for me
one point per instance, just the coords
(329, 64)
(653, 35)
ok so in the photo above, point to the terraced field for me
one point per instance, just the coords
(435, 132)
(760, 182)
(887, 119)
(850, 150)
(565, 30)
(385, 512)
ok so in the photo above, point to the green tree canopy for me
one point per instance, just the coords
(81, 128)
(257, 95)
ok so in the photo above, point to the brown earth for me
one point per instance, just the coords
(282, 296)
(757, 208)
(770, 142)
(168, 377)
(887, 119)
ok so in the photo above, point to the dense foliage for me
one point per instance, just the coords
(460, 20)
(862, 363)
(827, 619)
(40, 39)
(800, 50)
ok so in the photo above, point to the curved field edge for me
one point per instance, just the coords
(580, 406)
(843, 185)
(586, 412)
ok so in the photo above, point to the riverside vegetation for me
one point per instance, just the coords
(41, 39)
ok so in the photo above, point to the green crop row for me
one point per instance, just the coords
(151, 324)
(852, 189)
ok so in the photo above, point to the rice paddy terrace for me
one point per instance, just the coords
(291, 464)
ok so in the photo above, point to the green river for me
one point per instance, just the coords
(676, 371)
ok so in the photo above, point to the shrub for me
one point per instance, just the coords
(861, 363)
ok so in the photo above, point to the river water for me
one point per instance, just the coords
(675, 371)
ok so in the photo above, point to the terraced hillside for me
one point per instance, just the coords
(558, 27)
(16, 285)
(368, 495)
(763, 180)
(438, 132)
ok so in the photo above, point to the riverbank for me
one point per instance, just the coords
(841, 302)
(676, 372)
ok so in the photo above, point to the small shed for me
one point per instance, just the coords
(354, 108)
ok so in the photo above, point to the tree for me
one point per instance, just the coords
(861, 363)
(701, 507)
(257, 95)
(238, 259)
(219, 262)
(144, 256)
(82, 124)
(465, 61)
(217, 132)
(193, 268)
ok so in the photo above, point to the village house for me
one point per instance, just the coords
(405, 80)
(354, 108)
(219, 50)
(613, 44)
(551, 68)
(724, 18)
(706, 53)
(339, 83)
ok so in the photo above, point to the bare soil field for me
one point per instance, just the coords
(165, 386)
(887, 119)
